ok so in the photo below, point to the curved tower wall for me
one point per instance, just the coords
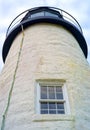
(49, 53)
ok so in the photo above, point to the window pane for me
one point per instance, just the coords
(44, 105)
(43, 92)
(58, 89)
(52, 106)
(60, 112)
(52, 111)
(50, 14)
(60, 105)
(51, 92)
(37, 14)
(44, 111)
(59, 95)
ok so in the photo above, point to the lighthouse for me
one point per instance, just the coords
(45, 82)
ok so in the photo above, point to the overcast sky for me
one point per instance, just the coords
(9, 9)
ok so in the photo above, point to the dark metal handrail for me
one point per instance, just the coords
(65, 15)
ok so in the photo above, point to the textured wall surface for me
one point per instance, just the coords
(49, 52)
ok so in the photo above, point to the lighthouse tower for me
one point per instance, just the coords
(45, 82)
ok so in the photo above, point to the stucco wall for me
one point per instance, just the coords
(51, 53)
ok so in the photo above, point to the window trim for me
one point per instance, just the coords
(65, 96)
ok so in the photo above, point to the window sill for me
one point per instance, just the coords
(51, 117)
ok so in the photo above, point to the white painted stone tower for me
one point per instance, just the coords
(45, 82)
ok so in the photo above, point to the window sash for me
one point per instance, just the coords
(50, 92)
(52, 108)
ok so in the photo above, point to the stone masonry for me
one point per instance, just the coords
(49, 52)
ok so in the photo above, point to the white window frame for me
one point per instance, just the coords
(65, 96)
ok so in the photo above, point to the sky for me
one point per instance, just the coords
(9, 9)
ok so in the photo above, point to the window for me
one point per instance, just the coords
(50, 14)
(52, 98)
(37, 14)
